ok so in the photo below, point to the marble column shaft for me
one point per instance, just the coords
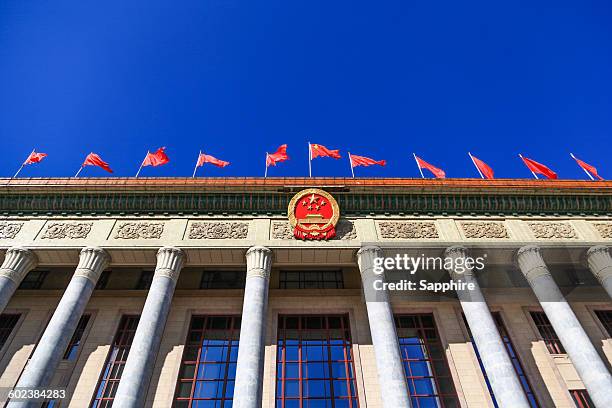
(582, 353)
(391, 374)
(249, 369)
(498, 366)
(136, 376)
(17, 263)
(39, 371)
(600, 264)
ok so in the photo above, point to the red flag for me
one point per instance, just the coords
(279, 156)
(156, 159)
(483, 167)
(587, 167)
(364, 161)
(93, 159)
(539, 168)
(439, 173)
(35, 158)
(317, 150)
(205, 158)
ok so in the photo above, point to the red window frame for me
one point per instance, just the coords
(117, 356)
(423, 325)
(333, 334)
(205, 334)
(553, 344)
(581, 399)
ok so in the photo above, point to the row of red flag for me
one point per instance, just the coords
(160, 157)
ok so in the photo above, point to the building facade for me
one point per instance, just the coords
(197, 293)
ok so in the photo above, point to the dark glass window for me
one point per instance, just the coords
(605, 317)
(222, 280)
(553, 344)
(311, 279)
(518, 367)
(115, 362)
(33, 279)
(75, 341)
(103, 280)
(429, 379)
(208, 369)
(7, 324)
(145, 279)
(315, 366)
(582, 399)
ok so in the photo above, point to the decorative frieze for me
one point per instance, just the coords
(487, 230)
(552, 230)
(139, 230)
(218, 230)
(9, 230)
(605, 230)
(345, 230)
(408, 230)
(71, 230)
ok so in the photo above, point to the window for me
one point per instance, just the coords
(553, 344)
(429, 379)
(33, 279)
(7, 324)
(315, 366)
(605, 317)
(75, 341)
(222, 280)
(144, 281)
(311, 279)
(518, 367)
(208, 370)
(115, 362)
(103, 280)
(582, 399)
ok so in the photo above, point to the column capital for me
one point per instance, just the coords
(457, 252)
(600, 262)
(170, 261)
(259, 261)
(92, 261)
(366, 256)
(18, 261)
(530, 261)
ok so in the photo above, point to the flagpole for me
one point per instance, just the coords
(477, 168)
(78, 172)
(23, 164)
(266, 172)
(418, 165)
(534, 175)
(196, 165)
(141, 164)
(351, 163)
(587, 173)
(309, 160)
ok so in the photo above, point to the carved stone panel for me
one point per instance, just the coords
(218, 230)
(71, 230)
(139, 230)
(605, 230)
(345, 230)
(9, 230)
(408, 230)
(552, 230)
(486, 230)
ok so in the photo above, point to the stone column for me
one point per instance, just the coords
(49, 351)
(249, 370)
(17, 263)
(580, 350)
(134, 383)
(600, 264)
(500, 371)
(391, 374)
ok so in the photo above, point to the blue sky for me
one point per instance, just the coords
(238, 78)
